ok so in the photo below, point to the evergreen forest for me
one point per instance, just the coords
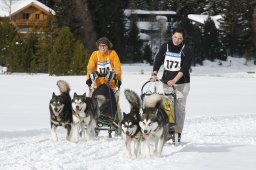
(69, 37)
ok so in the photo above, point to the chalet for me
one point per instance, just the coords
(26, 15)
(152, 25)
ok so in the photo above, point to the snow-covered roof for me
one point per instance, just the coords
(128, 12)
(202, 18)
(144, 36)
(17, 5)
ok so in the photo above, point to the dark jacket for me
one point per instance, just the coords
(186, 59)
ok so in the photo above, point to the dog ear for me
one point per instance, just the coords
(84, 94)
(74, 95)
(124, 114)
(53, 94)
(156, 112)
(158, 104)
(141, 112)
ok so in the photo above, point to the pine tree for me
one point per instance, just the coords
(196, 46)
(9, 37)
(211, 44)
(60, 58)
(77, 65)
(21, 57)
(148, 54)
(138, 4)
(235, 28)
(134, 44)
(83, 28)
(31, 41)
(40, 60)
(64, 12)
(213, 7)
(15, 53)
(108, 19)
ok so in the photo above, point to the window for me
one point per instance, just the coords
(37, 16)
(24, 30)
(25, 16)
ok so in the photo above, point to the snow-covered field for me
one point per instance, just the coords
(219, 133)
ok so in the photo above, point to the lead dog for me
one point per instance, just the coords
(154, 123)
(85, 114)
(130, 126)
(60, 110)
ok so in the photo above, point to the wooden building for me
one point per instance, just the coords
(26, 15)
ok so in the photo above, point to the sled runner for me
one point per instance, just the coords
(169, 103)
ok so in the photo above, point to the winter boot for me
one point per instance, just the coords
(171, 131)
(179, 138)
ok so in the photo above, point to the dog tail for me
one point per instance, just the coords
(152, 101)
(63, 86)
(133, 99)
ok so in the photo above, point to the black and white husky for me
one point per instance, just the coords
(130, 126)
(60, 110)
(85, 114)
(154, 123)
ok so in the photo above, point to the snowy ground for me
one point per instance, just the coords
(220, 128)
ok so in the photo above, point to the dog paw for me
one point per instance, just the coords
(54, 139)
(134, 157)
(157, 154)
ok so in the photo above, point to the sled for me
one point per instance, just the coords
(108, 119)
(169, 105)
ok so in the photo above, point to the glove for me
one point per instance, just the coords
(153, 77)
(94, 75)
(118, 83)
(111, 75)
(89, 82)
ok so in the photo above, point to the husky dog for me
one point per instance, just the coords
(154, 123)
(60, 110)
(130, 125)
(85, 113)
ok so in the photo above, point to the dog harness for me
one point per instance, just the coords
(59, 123)
(172, 60)
(138, 136)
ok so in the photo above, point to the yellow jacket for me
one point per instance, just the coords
(114, 62)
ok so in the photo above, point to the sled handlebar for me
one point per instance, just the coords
(150, 92)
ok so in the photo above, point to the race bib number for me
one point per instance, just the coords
(104, 67)
(172, 61)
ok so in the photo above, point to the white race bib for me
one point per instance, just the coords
(172, 61)
(104, 67)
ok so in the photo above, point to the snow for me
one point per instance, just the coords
(219, 132)
(3, 69)
(202, 19)
(128, 12)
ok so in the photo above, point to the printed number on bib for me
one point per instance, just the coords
(103, 70)
(172, 61)
(172, 64)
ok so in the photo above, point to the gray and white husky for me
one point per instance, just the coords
(130, 126)
(85, 112)
(60, 110)
(154, 123)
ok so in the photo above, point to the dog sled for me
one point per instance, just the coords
(109, 111)
(169, 105)
(108, 119)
